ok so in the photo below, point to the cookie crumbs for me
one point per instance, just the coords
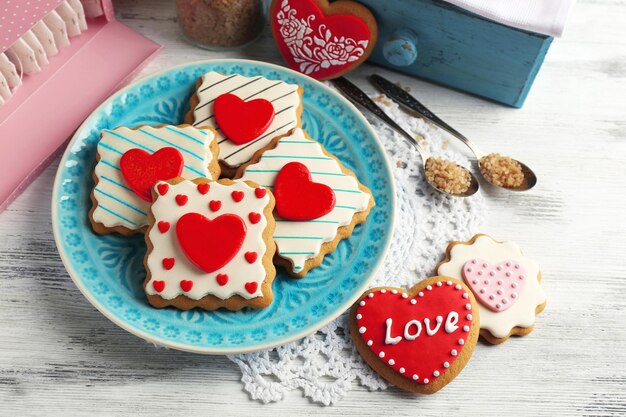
(447, 176)
(501, 170)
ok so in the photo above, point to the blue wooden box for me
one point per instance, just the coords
(448, 45)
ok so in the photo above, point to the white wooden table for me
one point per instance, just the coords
(59, 355)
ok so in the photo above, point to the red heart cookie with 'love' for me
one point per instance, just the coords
(210, 244)
(419, 340)
(141, 170)
(298, 197)
(242, 121)
(321, 39)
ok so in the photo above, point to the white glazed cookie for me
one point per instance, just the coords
(210, 245)
(302, 245)
(285, 98)
(117, 206)
(505, 283)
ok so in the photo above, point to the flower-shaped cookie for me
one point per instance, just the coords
(505, 283)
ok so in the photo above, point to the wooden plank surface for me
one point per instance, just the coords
(59, 356)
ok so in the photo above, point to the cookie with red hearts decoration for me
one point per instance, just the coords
(246, 112)
(210, 245)
(321, 39)
(420, 339)
(129, 161)
(506, 284)
(319, 201)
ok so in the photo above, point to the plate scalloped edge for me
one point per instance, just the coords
(354, 118)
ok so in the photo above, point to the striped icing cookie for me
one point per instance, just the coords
(130, 161)
(302, 244)
(284, 98)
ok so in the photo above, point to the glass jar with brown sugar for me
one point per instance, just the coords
(220, 24)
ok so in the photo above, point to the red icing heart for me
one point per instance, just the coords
(260, 192)
(237, 196)
(419, 334)
(158, 285)
(215, 205)
(163, 226)
(242, 121)
(168, 263)
(142, 170)
(203, 188)
(320, 39)
(181, 199)
(210, 244)
(222, 279)
(251, 287)
(497, 287)
(254, 218)
(186, 285)
(162, 188)
(298, 197)
(251, 257)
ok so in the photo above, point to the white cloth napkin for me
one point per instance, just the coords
(541, 16)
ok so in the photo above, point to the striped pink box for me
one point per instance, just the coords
(47, 107)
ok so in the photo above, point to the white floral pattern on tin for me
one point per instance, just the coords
(315, 50)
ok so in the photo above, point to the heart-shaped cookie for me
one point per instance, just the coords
(210, 244)
(419, 339)
(242, 121)
(497, 287)
(321, 39)
(141, 170)
(298, 197)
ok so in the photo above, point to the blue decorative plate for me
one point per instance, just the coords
(109, 269)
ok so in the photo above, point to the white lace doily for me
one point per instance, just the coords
(325, 365)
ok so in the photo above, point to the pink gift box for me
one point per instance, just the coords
(47, 108)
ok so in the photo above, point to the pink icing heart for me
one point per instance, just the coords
(497, 287)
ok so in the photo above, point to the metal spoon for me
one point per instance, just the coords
(356, 95)
(400, 96)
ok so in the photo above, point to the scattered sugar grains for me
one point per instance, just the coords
(447, 176)
(382, 99)
(501, 170)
